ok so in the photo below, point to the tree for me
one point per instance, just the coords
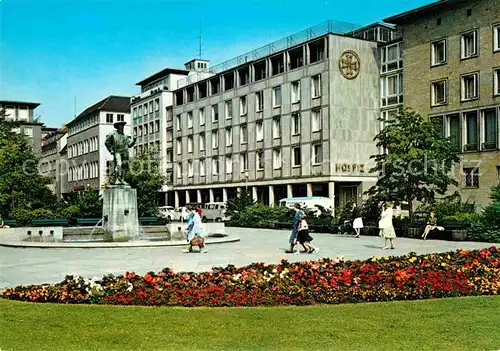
(144, 175)
(82, 204)
(416, 160)
(21, 186)
(237, 206)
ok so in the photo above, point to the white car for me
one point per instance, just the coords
(167, 212)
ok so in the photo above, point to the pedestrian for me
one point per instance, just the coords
(386, 227)
(200, 211)
(431, 225)
(303, 236)
(358, 220)
(195, 234)
(295, 225)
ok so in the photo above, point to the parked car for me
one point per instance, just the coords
(308, 202)
(182, 213)
(167, 213)
(214, 211)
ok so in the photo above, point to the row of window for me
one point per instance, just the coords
(83, 124)
(83, 171)
(143, 110)
(475, 130)
(110, 118)
(259, 70)
(259, 132)
(83, 147)
(143, 130)
(469, 88)
(259, 103)
(151, 147)
(260, 161)
(469, 46)
(470, 176)
(46, 167)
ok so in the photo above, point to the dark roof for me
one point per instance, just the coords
(111, 103)
(162, 74)
(408, 16)
(25, 103)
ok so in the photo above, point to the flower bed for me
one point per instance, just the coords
(326, 281)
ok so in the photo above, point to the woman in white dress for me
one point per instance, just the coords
(358, 220)
(386, 227)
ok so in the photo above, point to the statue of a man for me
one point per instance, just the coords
(118, 144)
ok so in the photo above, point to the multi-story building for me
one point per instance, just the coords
(452, 75)
(294, 118)
(87, 159)
(50, 165)
(30, 126)
(152, 120)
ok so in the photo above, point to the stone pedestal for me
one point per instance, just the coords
(121, 221)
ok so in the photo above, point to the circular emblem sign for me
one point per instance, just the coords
(349, 64)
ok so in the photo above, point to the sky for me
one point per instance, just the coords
(57, 51)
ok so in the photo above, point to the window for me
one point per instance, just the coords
(229, 136)
(243, 134)
(296, 156)
(190, 119)
(215, 113)
(229, 81)
(496, 37)
(438, 124)
(392, 89)
(454, 130)
(179, 170)
(317, 50)
(276, 128)
(229, 164)
(259, 101)
(243, 105)
(276, 96)
(190, 169)
(109, 118)
(316, 120)
(170, 156)
(190, 144)
(243, 162)
(469, 85)
(202, 90)
(157, 104)
(277, 64)
(28, 132)
(490, 129)
(259, 131)
(229, 109)
(469, 44)
(260, 70)
(201, 116)
(215, 139)
(145, 129)
(202, 167)
(438, 93)
(438, 52)
(317, 154)
(316, 86)
(471, 177)
(244, 75)
(215, 85)
(260, 160)
(496, 81)
(295, 91)
(120, 118)
(471, 131)
(215, 166)
(202, 141)
(179, 146)
(276, 159)
(178, 122)
(295, 123)
(391, 58)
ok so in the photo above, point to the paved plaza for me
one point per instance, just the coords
(31, 266)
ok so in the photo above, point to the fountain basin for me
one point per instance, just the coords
(82, 237)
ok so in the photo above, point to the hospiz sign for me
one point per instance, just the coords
(349, 168)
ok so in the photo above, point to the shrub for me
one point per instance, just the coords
(25, 216)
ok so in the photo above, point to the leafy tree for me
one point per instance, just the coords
(416, 161)
(240, 203)
(82, 204)
(145, 176)
(21, 186)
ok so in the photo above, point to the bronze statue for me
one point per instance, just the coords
(118, 144)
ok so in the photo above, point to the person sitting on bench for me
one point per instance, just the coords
(431, 225)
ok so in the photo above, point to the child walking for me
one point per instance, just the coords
(303, 236)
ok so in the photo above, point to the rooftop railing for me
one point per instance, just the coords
(330, 26)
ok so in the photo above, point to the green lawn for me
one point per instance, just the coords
(448, 324)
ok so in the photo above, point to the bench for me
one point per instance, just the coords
(10, 222)
(49, 222)
(87, 221)
(151, 221)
